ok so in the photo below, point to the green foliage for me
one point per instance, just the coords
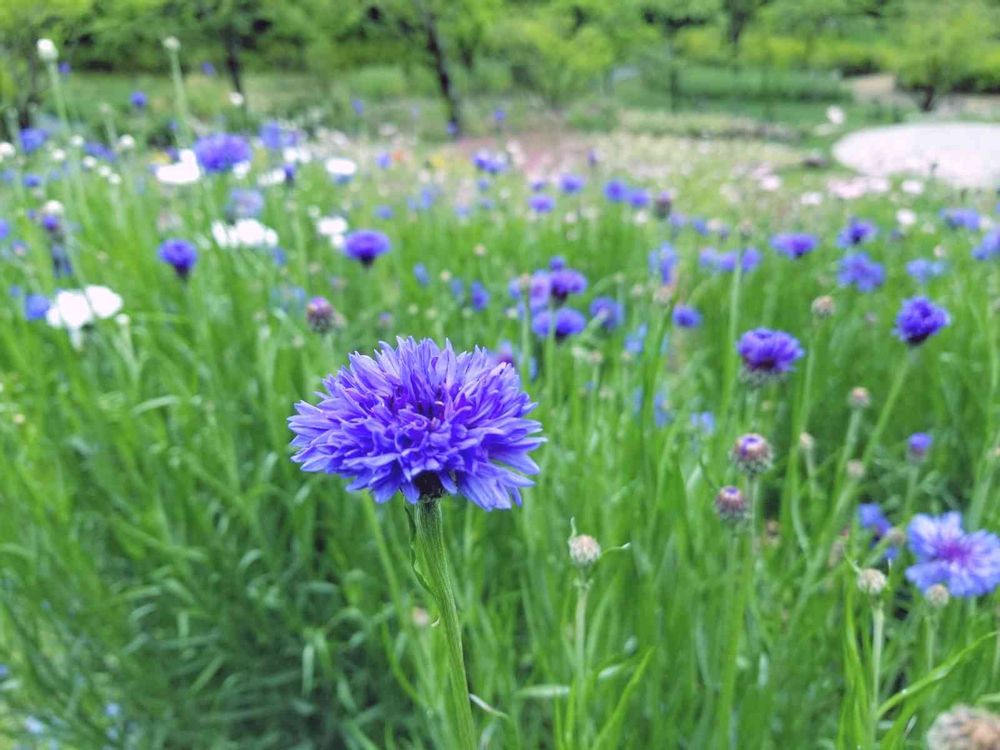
(941, 43)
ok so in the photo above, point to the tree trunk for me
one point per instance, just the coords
(440, 61)
(233, 63)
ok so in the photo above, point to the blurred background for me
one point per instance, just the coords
(589, 64)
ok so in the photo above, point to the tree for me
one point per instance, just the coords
(22, 23)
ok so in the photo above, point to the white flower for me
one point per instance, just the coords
(73, 309)
(172, 44)
(184, 171)
(126, 143)
(76, 141)
(340, 169)
(331, 226)
(770, 183)
(244, 233)
(835, 115)
(7, 150)
(906, 217)
(47, 50)
(52, 208)
(88, 162)
(913, 187)
(812, 198)
(296, 154)
(236, 98)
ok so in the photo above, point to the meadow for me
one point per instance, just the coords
(172, 579)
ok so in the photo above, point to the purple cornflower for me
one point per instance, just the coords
(871, 517)
(244, 204)
(207, 68)
(32, 139)
(967, 563)
(917, 446)
(571, 183)
(768, 354)
(180, 254)
(221, 152)
(919, 319)
(861, 272)
(685, 316)
(365, 245)
(961, 218)
(662, 261)
(794, 245)
(35, 306)
(857, 232)
(923, 270)
(562, 323)
(138, 100)
(541, 203)
(479, 296)
(275, 137)
(566, 281)
(608, 311)
(425, 421)
(616, 191)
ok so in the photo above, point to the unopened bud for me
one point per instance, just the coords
(859, 398)
(937, 596)
(731, 505)
(871, 581)
(824, 307)
(584, 550)
(752, 454)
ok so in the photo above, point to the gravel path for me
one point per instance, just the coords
(963, 154)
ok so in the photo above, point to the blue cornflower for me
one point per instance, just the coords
(383, 212)
(274, 137)
(35, 306)
(989, 247)
(571, 183)
(703, 422)
(919, 319)
(871, 517)
(499, 115)
(541, 203)
(917, 446)
(563, 323)
(857, 232)
(967, 563)
(662, 261)
(207, 68)
(638, 198)
(425, 421)
(861, 272)
(180, 254)
(794, 244)
(458, 290)
(479, 296)
(32, 139)
(608, 311)
(383, 160)
(635, 342)
(420, 274)
(4, 229)
(139, 100)
(365, 245)
(244, 204)
(566, 281)
(221, 152)
(768, 354)
(616, 191)
(923, 270)
(489, 163)
(685, 316)
(358, 106)
(961, 218)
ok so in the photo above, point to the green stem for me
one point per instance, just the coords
(182, 107)
(886, 412)
(878, 633)
(430, 543)
(580, 651)
(741, 566)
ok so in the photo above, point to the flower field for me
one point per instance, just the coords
(702, 452)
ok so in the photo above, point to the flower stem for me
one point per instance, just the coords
(430, 543)
(878, 632)
(580, 654)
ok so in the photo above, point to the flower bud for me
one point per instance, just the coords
(319, 314)
(731, 505)
(752, 454)
(965, 728)
(937, 596)
(807, 443)
(584, 550)
(855, 470)
(47, 50)
(171, 44)
(824, 307)
(871, 581)
(859, 398)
